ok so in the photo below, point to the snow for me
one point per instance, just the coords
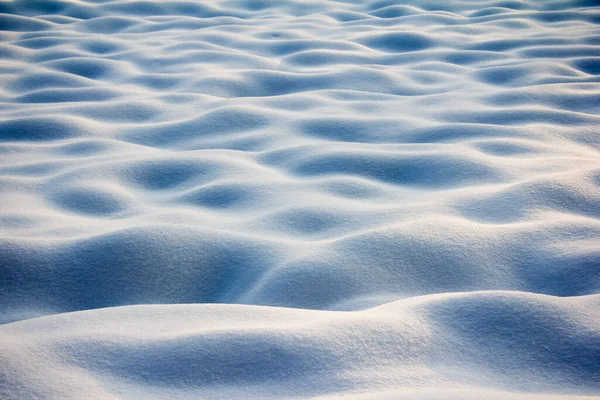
(471, 345)
(299, 199)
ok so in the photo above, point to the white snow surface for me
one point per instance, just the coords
(254, 199)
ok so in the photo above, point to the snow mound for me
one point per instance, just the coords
(424, 347)
(334, 171)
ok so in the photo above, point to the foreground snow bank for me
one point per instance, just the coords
(493, 345)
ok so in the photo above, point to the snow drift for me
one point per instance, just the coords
(396, 199)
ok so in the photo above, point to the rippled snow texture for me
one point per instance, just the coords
(357, 163)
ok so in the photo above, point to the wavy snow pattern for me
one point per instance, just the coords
(355, 162)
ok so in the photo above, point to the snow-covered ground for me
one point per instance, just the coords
(395, 199)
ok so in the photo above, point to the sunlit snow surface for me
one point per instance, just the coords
(397, 199)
